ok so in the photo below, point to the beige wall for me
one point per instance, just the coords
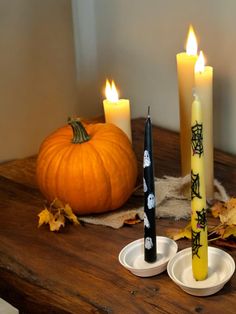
(135, 42)
(132, 41)
(37, 73)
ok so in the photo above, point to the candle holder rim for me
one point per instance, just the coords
(134, 251)
(205, 287)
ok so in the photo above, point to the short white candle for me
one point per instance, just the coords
(117, 111)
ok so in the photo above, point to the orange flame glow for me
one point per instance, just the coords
(191, 46)
(111, 91)
(200, 63)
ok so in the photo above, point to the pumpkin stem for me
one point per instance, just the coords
(80, 135)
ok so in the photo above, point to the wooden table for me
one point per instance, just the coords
(77, 270)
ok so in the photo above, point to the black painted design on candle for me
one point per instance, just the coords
(148, 243)
(146, 159)
(201, 219)
(195, 185)
(151, 201)
(196, 243)
(146, 221)
(144, 186)
(197, 139)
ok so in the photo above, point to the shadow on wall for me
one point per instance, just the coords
(222, 111)
(89, 99)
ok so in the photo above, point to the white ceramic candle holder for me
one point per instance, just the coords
(221, 267)
(132, 257)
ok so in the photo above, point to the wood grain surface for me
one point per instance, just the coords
(77, 269)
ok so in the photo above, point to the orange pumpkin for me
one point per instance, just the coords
(92, 167)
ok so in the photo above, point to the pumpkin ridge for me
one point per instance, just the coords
(48, 167)
(60, 188)
(132, 160)
(123, 146)
(104, 169)
(87, 158)
(44, 158)
(110, 152)
(114, 140)
(62, 135)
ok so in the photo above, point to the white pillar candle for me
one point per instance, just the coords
(117, 111)
(203, 87)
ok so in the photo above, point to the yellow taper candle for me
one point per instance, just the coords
(203, 88)
(185, 70)
(117, 111)
(198, 197)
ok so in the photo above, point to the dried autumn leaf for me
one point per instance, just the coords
(56, 214)
(181, 233)
(132, 221)
(229, 231)
(57, 221)
(70, 215)
(57, 203)
(44, 217)
(221, 231)
(228, 216)
(216, 209)
(231, 203)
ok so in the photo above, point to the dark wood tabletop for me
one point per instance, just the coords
(77, 270)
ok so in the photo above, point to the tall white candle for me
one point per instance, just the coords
(185, 69)
(203, 87)
(117, 111)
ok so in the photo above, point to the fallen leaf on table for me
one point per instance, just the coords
(57, 221)
(132, 221)
(57, 203)
(44, 217)
(181, 233)
(56, 215)
(228, 213)
(229, 231)
(216, 209)
(224, 227)
(231, 203)
(70, 215)
(225, 211)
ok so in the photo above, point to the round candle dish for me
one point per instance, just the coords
(132, 257)
(221, 267)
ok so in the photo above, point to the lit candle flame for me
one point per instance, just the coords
(111, 91)
(191, 47)
(200, 63)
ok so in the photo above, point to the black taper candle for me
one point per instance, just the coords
(150, 254)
